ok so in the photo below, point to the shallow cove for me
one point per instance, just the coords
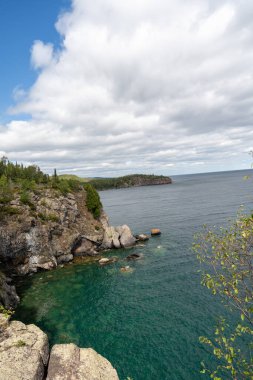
(146, 322)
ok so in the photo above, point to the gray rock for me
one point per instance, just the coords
(64, 258)
(23, 352)
(8, 296)
(34, 238)
(4, 322)
(111, 238)
(85, 247)
(68, 362)
(142, 237)
(104, 260)
(125, 236)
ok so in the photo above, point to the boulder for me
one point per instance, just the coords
(103, 261)
(142, 237)
(155, 231)
(85, 247)
(64, 258)
(125, 236)
(23, 352)
(111, 238)
(68, 362)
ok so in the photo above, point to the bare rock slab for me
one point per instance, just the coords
(68, 362)
(24, 352)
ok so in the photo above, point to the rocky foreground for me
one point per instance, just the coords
(24, 355)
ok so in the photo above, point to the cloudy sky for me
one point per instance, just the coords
(110, 87)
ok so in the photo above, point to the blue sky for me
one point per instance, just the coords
(22, 22)
(109, 87)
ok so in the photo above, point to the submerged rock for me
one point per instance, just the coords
(24, 352)
(127, 269)
(69, 362)
(106, 260)
(134, 256)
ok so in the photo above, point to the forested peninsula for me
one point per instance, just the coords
(132, 180)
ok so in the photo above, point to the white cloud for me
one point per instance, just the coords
(41, 54)
(140, 86)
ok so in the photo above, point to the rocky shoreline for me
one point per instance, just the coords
(54, 231)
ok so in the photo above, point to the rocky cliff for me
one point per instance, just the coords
(50, 230)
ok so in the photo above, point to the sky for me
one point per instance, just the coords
(112, 87)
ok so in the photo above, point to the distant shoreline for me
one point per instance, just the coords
(133, 180)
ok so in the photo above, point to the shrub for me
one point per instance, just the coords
(48, 217)
(229, 256)
(8, 210)
(25, 199)
(93, 202)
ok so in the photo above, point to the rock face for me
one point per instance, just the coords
(43, 235)
(68, 362)
(24, 352)
(8, 296)
(118, 237)
(52, 229)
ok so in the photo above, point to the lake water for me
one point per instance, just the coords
(147, 322)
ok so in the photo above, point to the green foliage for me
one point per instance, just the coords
(229, 255)
(48, 217)
(6, 312)
(126, 181)
(6, 210)
(6, 194)
(93, 202)
(25, 199)
(17, 178)
(73, 177)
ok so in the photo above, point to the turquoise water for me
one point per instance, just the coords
(146, 322)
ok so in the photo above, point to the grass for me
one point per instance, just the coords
(74, 177)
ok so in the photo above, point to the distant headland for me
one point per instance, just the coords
(132, 180)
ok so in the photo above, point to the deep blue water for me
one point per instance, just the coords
(146, 322)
